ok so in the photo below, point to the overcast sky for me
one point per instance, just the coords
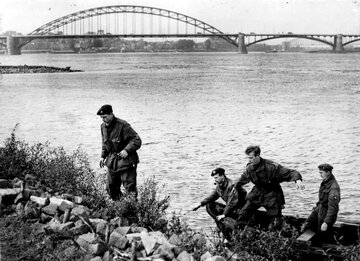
(231, 16)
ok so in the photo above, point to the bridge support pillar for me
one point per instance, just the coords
(12, 45)
(241, 44)
(338, 44)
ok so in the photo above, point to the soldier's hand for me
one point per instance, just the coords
(324, 226)
(220, 217)
(102, 163)
(123, 154)
(299, 184)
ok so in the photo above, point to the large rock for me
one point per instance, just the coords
(96, 221)
(175, 240)
(59, 201)
(205, 256)
(185, 256)
(10, 192)
(41, 201)
(122, 230)
(164, 251)
(116, 222)
(101, 228)
(80, 210)
(152, 240)
(98, 248)
(50, 209)
(118, 240)
(64, 206)
(91, 244)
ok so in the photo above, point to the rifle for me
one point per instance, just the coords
(194, 209)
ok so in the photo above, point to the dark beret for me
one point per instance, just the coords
(325, 167)
(105, 109)
(219, 171)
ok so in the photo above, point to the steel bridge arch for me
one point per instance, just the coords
(57, 23)
(291, 36)
(352, 41)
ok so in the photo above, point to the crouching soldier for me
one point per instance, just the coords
(233, 197)
(324, 214)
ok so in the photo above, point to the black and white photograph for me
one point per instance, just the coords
(193, 130)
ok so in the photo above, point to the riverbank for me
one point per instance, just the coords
(12, 69)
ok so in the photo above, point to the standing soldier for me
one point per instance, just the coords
(267, 192)
(119, 145)
(324, 214)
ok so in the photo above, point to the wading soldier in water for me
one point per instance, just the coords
(119, 145)
(233, 197)
(266, 176)
(324, 214)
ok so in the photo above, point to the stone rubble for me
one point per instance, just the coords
(103, 240)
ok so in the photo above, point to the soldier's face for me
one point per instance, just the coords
(324, 174)
(253, 159)
(218, 179)
(106, 118)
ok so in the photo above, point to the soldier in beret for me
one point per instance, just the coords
(119, 145)
(233, 197)
(266, 176)
(324, 214)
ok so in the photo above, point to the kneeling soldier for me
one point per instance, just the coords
(233, 197)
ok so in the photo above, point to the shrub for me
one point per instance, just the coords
(271, 244)
(55, 170)
(350, 253)
(14, 158)
(147, 210)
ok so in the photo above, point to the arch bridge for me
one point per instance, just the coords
(120, 21)
(131, 21)
(335, 41)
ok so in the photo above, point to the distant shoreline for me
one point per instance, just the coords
(19, 69)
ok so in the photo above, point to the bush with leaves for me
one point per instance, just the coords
(271, 244)
(350, 253)
(54, 168)
(14, 158)
(147, 210)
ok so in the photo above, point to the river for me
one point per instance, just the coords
(198, 111)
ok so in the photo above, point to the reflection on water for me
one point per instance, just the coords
(196, 112)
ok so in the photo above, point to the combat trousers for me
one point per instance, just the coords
(215, 209)
(314, 222)
(115, 179)
(247, 212)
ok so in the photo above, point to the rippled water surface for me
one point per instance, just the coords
(195, 112)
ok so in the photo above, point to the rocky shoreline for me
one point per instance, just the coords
(64, 217)
(12, 69)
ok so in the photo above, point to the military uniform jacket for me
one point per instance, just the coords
(329, 198)
(229, 193)
(266, 177)
(117, 136)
